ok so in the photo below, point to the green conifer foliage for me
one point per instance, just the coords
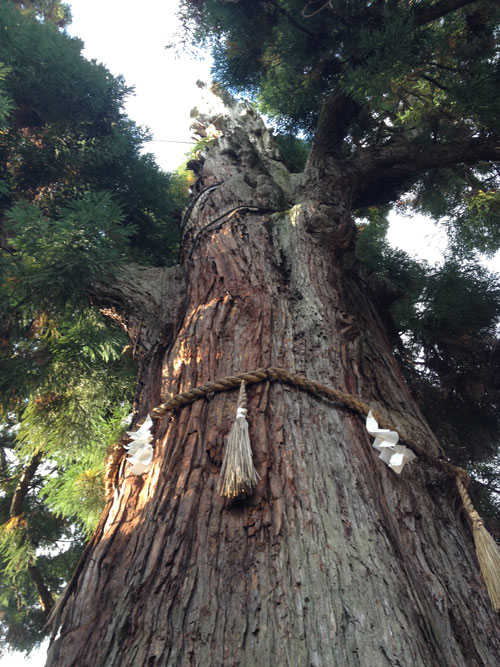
(50, 11)
(78, 200)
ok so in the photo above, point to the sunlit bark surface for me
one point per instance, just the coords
(335, 560)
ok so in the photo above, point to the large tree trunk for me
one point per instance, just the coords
(335, 559)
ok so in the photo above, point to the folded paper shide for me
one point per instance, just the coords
(394, 455)
(140, 451)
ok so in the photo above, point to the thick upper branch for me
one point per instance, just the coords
(337, 115)
(144, 301)
(378, 173)
(439, 9)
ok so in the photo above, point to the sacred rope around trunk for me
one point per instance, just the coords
(486, 548)
(309, 386)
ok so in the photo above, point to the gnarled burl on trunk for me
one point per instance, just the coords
(334, 559)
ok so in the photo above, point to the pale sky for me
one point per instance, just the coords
(129, 37)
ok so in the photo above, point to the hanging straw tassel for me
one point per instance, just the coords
(238, 476)
(488, 553)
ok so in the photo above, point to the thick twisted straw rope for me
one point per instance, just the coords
(309, 386)
(487, 551)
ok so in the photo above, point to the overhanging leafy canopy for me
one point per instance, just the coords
(416, 82)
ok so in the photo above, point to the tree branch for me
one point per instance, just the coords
(290, 18)
(424, 15)
(487, 485)
(386, 170)
(337, 115)
(144, 301)
(45, 596)
(16, 506)
(22, 487)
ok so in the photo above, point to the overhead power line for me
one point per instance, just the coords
(170, 141)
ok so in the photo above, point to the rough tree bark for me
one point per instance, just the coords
(334, 560)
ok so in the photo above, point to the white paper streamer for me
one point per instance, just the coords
(394, 455)
(140, 451)
(126, 421)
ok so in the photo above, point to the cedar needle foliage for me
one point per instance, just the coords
(78, 200)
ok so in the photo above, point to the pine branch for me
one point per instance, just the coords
(290, 18)
(434, 82)
(487, 485)
(144, 301)
(424, 15)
